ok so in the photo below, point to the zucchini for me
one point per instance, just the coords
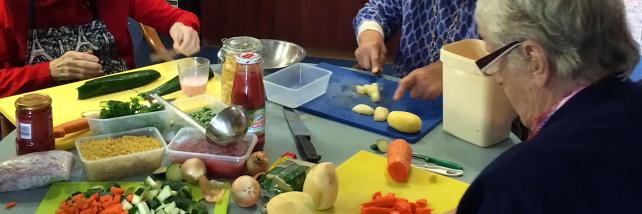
(116, 83)
(170, 86)
(164, 194)
(183, 203)
(143, 208)
(126, 205)
(198, 208)
(136, 199)
(154, 203)
(133, 210)
(169, 207)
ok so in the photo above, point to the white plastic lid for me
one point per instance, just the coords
(248, 58)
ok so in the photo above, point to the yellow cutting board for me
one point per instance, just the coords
(366, 173)
(66, 106)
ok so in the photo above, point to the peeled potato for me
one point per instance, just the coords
(363, 109)
(380, 114)
(322, 185)
(404, 121)
(291, 203)
(362, 90)
(373, 92)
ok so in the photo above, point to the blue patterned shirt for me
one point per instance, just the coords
(425, 25)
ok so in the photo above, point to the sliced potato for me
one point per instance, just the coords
(373, 92)
(363, 109)
(381, 113)
(362, 90)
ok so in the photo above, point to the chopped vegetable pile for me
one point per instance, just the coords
(114, 108)
(152, 197)
(203, 116)
(390, 204)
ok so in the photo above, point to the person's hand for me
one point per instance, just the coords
(75, 65)
(422, 83)
(371, 53)
(185, 38)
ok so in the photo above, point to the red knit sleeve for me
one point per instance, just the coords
(18, 80)
(160, 15)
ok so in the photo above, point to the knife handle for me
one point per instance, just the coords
(306, 149)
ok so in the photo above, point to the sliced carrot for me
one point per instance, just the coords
(116, 190)
(130, 198)
(399, 159)
(10, 205)
(423, 211)
(422, 203)
(375, 210)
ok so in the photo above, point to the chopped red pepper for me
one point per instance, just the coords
(389, 204)
(10, 205)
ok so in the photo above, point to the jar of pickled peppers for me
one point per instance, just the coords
(227, 56)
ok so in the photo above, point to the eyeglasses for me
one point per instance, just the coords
(487, 61)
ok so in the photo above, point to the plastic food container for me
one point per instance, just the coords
(475, 106)
(158, 119)
(297, 84)
(220, 161)
(193, 104)
(124, 165)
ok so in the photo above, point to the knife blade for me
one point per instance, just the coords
(301, 136)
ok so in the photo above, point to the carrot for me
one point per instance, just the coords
(375, 210)
(10, 205)
(399, 159)
(130, 198)
(117, 198)
(116, 190)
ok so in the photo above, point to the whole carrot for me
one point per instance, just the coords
(399, 159)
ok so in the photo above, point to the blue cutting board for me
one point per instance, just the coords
(336, 104)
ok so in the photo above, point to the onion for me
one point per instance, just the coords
(257, 163)
(192, 169)
(246, 191)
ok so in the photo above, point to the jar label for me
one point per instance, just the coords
(25, 131)
(257, 126)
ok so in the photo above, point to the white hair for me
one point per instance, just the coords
(584, 39)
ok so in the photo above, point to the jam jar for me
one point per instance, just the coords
(34, 124)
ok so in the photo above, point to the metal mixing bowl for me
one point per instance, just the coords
(280, 54)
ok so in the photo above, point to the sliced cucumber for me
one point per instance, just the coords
(143, 208)
(382, 145)
(133, 210)
(169, 207)
(159, 173)
(164, 194)
(136, 199)
(126, 205)
(183, 203)
(154, 203)
(151, 194)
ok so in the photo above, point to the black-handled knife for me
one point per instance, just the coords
(301, 136)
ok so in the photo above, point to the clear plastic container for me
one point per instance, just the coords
(220, 161)
(297, 84)
(475, 106)
(159, 119)
(124, 165)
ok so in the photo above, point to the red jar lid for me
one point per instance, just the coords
(33, 102)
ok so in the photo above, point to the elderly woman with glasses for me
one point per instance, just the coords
(564, 65)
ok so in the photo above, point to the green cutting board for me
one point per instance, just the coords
(61, 190)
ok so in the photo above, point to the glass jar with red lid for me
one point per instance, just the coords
(248, 91)
(34, 124)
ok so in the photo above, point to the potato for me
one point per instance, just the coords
(363, 109)
(362, 90)
(291, 203)
(381, 113)
(373, 92)
(404, 121)
(322, 185)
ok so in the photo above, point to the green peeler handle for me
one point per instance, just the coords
(438, 162)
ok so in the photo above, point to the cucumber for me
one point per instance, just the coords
(154, 203)
(133, 210)
(116, 83)
(143, 208)
(126, 205)
(136, 199)
(170, 86)
(164, 194)
(183, 203)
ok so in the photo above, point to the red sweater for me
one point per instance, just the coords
(16, 77)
